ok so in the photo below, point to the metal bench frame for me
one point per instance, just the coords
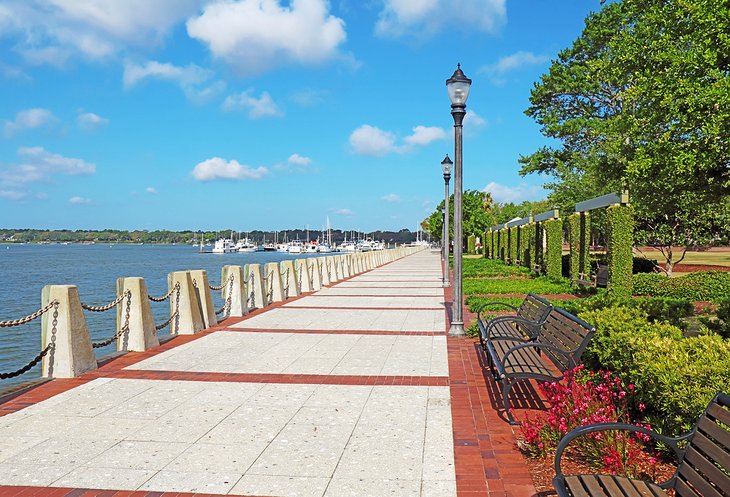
(556, 340)
(525, 323)
(703, 468)
(600, 279)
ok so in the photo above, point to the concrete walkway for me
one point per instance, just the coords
(344, 392)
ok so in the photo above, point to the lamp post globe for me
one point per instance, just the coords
(458, 86)
(446, 168)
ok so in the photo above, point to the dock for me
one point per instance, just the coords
(352, 390)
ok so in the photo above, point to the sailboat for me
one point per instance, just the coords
(325, 246)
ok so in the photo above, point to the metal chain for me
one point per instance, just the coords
(122, 330)
(329, 270)
(51, 345)
(176, 314)
(195, 283)
(269, 282)
(300, 278)
(227, 304)
(173, 316)
(103, 308)
(252, 296)
(28, 318)
(286, 285)
(167, 295)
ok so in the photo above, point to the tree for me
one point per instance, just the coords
(476, 215)
(642, 99)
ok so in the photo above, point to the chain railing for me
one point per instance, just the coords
(270, 286)
(167, 295)
(286, 285)
(252, 295)
(104, 308)
(227, 305)
(51, 344)
(122, 329)
(329, 270)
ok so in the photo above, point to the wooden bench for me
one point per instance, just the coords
(703, 465)
(600, 279)
(561, 340)
(525, 323)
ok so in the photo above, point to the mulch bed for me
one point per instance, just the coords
(691, 268)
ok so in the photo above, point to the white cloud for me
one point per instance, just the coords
(373, 141)
(472, 119)
(342, 212)
(263, 106)
(299, 160)
(193, 80)
(391, 197)
(89, 120)
(28, 119)
(12, 194)
(309, 97)
(151, 189)
(79, 200)
(422, 18)
(423, 135)
(256, 35)
(37, 164)
(221, 169)
(369, 140)
(514, 194)
(517, 60)
(53, 31)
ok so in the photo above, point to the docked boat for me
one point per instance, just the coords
(224, 246)
(346, 246)
(282, 247)
(311, 248)
(324, 248)
(269, 247)
(295, 247)
(245, 245)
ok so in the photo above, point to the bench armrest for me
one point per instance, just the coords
(672, 442)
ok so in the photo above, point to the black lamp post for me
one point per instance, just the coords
(446, 167)
(458, 87)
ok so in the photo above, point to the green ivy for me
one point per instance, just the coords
(553, 257)
(513, 249)
(503, 244)
(529, 235)
(704, 285)
(620, 232)
(585, 244)
(471, 244)
(575, 245)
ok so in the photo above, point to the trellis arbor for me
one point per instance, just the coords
(534, 241)
(619, 233)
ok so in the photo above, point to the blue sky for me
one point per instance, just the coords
(263, 114)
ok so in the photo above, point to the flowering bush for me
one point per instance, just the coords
(584, 398)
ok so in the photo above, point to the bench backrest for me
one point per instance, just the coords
(602, 276)
(704, 469)
(534, 308)
(568, 333)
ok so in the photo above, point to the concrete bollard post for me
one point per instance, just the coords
(303, 276)
(236, 292)
(336, 274)
(141, 334)
(345, 267)
(315, 272)
(72, 353)
(189, 320)
(201, 284)
(325, 270)
(291, 279)
(255, 286)
(274, 283)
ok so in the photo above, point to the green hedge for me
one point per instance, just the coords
(553, 257)
(674, 377)
(513, 249)
(488, 268)
(620, 228)
(540, 285)
(575, 245)
(704, 285)
(528, 254)
(471, 244)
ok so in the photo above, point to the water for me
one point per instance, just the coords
(94, 269)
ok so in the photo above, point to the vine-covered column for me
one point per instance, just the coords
(620, 227)
(584, 265)
(574, 225)
(554, 248)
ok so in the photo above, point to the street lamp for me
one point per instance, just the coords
(458, 87)
(446, 167)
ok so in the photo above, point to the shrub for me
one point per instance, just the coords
(583, 398)
(705, 285)
(675, 377)
(471, 244)
(657, 309)
(473, 303)
(721, 324)
(490, 268)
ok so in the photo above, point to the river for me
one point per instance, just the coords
(94, 269)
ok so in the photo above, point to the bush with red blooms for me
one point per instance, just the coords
(583, 398)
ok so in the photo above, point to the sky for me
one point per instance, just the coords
(264, 114)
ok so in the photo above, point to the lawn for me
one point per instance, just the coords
(541, 285)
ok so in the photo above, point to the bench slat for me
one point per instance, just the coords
(714, 431)
(691, 477)
(710, 449)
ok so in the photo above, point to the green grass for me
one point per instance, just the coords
(541, 285)
(474, 302)
(488, 268)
